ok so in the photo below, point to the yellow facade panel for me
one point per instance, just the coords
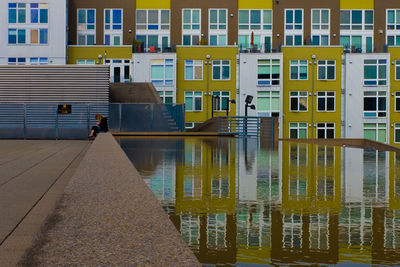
(156, 4)
(312, 86)
(206, 85)
(98, 53)
(255, 4)
(394, 88)
(357, 4)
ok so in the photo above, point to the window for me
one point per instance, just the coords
(39, 61)
(152, 19)
(16, 61)
(293, 19)
(191, 29)
(393, 40)
(397, 102)
(217, 19)
(166, 97)
(325, 130)
(193, 69)
(16, 36)
(325, 101)
(221, 101)
(268, 101)
(268, 72)
(218, 39)
(375, 131)
(397, 132)
(253, 20)
(326, 69)
(193, 101)
(191, 125)
(298, 130)
(320, 19)
(16, 13)
(320, 40)
(43, 36)
(393, 19)
(113, 26)
(85, 62)
(298, 69)
(295, 40)
(397, 73)
(162, 71)
(375, 72)
(221, 69)
(39, 13)
(298, 101)
(191, 19)
(86, 26)
(356, 19)
(374, 104)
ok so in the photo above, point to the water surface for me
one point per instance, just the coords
(241, 202)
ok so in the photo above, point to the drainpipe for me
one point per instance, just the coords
(208, 63)
(314, 62)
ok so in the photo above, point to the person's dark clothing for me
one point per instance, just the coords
(103, 126)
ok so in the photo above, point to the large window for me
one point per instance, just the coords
(294, 19)
(193, 101)
(221, 69)
(298, 101)
(393, 19)
(193, 69)
(325, 130)
(167, 97)
(221, 100)
(375, 72)
(268, 101)
(356, 19)
(255, 19)
(298, 69)
(326, 69)
(375, 131)
(298, 130)
(86, 27)
(113, 27)
(16, 36)
(397, 102)
(268, 72)
(397, 132)
(39, 13)
(217, 19)
(325, 101)
(152, 19)
(320, 19)
(374, 104)
(162, 72)
(191, 26)
(16, 13)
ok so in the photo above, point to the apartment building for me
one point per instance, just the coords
(33, 32)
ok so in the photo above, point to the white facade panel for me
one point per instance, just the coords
(54, 50)
(355, 88)
(142, 70)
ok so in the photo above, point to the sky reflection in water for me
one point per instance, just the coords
(240, 202)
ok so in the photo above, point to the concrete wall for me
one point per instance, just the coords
(55, 50)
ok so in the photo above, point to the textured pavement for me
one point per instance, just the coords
(109, 216)
(33, 175)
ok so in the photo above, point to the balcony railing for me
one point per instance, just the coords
(141, 48)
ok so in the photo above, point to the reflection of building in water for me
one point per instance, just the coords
(205, 207)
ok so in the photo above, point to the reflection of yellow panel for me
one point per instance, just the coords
(357, 4)
(93, 52)
(256, 255)
(394, 87)
(394, 178)
(155, 4)
(255, 4)
(355, 254)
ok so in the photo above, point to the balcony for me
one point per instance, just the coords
(258, 49)
(141, 48)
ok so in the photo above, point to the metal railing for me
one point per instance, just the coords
(43, 120)
(257, 127)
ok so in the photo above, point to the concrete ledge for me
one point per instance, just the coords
(171, 134)
(349, 142)
(109, 216)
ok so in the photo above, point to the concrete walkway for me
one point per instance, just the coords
(33, 175)
(109, 217)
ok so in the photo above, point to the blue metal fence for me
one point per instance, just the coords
(42, 120)
(132, 117)
(243, 126)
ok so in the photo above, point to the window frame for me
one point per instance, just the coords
(377, 96)
(160, 26)
(298, 95)
(194, 96)
(271, 81)
(298, 63)
(195, 63)
(86, 32)
(396, 128)
(222, 95)
(269, 95)
(396, 98)
(375, 81)
(221, 66)
(324, 96)
(325, 63)
(299, 126)
(166, 94)
(325, 126)
(363, 26)
(377, 126)
(111, 33)
(165, 81)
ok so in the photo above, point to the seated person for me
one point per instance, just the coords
(102, 126)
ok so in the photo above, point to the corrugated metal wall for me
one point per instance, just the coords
(30, 95)
(51, 84)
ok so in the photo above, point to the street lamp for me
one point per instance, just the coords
(208, 63)
(248, 100)
(227, 105)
